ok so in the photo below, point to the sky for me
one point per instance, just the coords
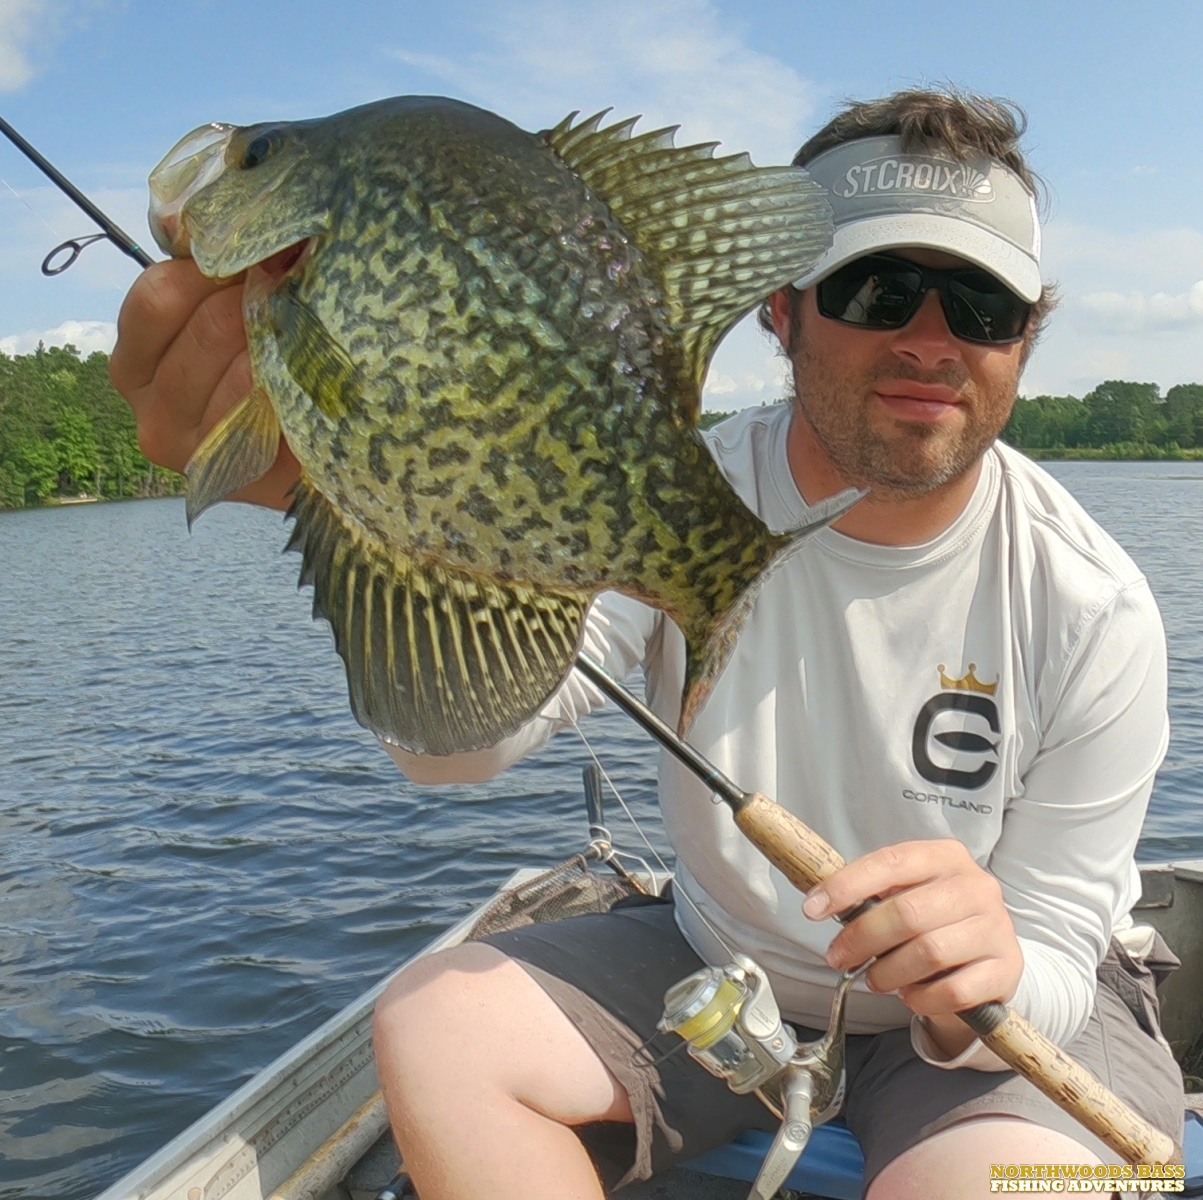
(1113, 93)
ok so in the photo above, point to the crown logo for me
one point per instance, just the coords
(968, 683)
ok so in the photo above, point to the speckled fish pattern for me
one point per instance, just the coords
(491, 382)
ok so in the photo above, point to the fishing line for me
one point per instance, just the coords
(17, 196)
(630, 815)
(655, 853)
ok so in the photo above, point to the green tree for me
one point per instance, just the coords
(1184, 414)
(75, 447)
(64, 429)
(37, 463)
(1118, 411)
(1046, 423)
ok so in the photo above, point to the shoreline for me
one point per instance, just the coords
(1090, 454)
(1035, 453)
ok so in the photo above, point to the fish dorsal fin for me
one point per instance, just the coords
(438, 660)
(720, 233)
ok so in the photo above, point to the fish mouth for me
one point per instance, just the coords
(194, 161)
(267, 275)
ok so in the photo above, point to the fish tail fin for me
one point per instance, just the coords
(438, 660)
(239, 449)
(710, 640)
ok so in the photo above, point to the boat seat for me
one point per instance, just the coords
(832, 1163)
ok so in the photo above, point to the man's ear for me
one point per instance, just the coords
(780, 311)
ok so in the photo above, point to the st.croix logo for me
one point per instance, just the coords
(916, 176)
(961, 718)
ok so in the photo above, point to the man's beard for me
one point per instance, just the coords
(916, 457)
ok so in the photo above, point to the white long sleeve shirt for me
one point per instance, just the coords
(1003, 684)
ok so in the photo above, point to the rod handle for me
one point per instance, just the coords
(1067, 1084)
(805, 859)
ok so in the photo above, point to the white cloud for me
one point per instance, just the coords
(19, 20)
(1136, 312)
(675, 61)
(1132, 306)
(746, 370)
(86, 336)
(28, 27)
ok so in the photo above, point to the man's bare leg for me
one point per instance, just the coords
(484, 1076)
(955, 1163)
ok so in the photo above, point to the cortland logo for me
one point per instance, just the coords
(917, 176)
(966, 695)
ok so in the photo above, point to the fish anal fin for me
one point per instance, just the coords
(721, 233)
(438, 660)
(322, 368)
(239, 449)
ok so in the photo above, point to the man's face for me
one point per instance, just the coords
(901, 410)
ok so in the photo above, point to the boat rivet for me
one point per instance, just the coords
(777, 1043)
(194, 1193)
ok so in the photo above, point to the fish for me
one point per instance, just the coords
(486, 349)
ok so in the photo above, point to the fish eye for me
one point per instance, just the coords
(257, 150)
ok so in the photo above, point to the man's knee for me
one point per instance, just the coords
(955, 1163)
(471, 1023)
(437, 1011)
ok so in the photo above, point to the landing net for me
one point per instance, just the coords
(569, 890)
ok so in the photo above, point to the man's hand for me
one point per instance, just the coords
(181, 361)
(942, 937)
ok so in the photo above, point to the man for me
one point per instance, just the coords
(961, 687)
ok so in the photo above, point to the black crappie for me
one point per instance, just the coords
(486, 349)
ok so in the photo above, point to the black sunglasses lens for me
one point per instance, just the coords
(982, 309)
(874, 292)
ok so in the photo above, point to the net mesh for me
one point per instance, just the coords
(570, 890)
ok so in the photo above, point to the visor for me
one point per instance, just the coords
(883, 199)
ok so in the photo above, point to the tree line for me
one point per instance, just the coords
(65, 431)
(1117, 420)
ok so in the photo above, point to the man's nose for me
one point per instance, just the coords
(925, 340)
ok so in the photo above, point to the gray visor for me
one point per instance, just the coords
(884, 199)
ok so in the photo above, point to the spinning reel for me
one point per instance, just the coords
(730, 1021)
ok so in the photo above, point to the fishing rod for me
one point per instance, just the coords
(75, 246)
(806, 860)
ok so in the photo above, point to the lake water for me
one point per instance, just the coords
(202, 856)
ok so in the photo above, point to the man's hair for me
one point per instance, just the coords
(962, 125)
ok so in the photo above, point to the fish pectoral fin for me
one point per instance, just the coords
(239, 449)
(438, 660)
(721, 233)
(323, 370)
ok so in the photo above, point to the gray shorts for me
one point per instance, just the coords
(609, 973)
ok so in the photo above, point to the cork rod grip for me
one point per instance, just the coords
(792, 847)
(1072, 1088)
(805, 859)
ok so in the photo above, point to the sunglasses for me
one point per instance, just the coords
(882, 292)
